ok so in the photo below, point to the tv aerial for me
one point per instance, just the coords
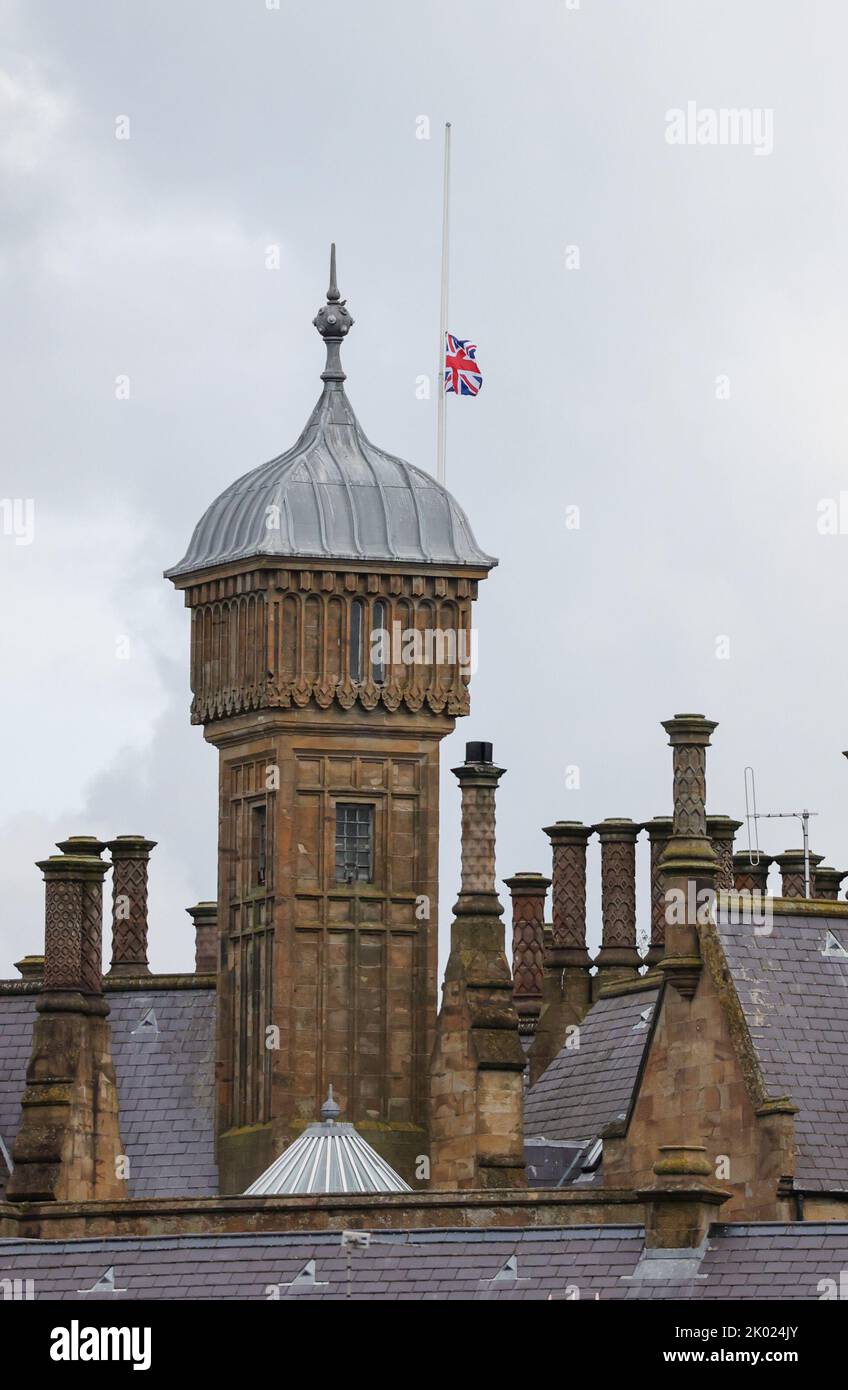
(752, 816)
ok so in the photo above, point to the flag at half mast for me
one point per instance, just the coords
(462, 374)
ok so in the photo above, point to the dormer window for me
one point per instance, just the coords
(833, 947)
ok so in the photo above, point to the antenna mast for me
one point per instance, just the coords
(753, 815)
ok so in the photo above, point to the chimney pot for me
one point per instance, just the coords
(82, 844)
(30, 968)
(791, 865)
(478, 752)
(827, 882)
(748, 876)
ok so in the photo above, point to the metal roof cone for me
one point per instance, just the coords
(328, 1157)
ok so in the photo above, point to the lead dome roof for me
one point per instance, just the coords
(334, 495)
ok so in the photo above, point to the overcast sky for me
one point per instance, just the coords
(684, 386)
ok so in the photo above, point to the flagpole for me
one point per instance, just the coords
(443, 314)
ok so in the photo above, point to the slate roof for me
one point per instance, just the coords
(795, 1000)
(585, 1088)
(16, 1014)
(766, 1261)
(165, 1072)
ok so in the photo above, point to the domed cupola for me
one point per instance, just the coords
(334, 495)
(293, 569)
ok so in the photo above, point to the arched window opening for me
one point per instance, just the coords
(379, 642)
(355, 652)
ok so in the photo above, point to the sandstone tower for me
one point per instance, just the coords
(328, 739)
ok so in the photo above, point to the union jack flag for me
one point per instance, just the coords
(462, 375)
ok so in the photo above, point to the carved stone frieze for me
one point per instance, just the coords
(294, 638)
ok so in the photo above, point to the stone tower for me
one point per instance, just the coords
(330, 592)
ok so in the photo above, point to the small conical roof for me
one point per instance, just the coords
(328, 1157)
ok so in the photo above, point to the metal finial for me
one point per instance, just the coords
(333, 292)
(330, 1110)
(333, 323)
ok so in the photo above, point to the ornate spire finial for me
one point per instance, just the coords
(331, 1109)
(333, 292)
(333, 323)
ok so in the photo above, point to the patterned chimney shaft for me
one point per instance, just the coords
(529, 891)
(688, 863)
(751, 877)
(828, 881)
(130, 857)
(659, 833)
(567, 983)
(721, 830)
(73, 927)
(791, 865)
(689, 736)
(205, 919)
(478, 779)
(568, 844)
(618, 954)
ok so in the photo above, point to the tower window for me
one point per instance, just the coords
(378, 627)
(355, 661)
(259, 844)
(354, 843)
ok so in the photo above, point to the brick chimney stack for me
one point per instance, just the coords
(476, 1072)
(566, 984)
(528, 891)
(130, 858)
(68, 1144)
(751, 877)
(791, 865)
(618, 958)
(205, 918)
(722, 831)
(659, 833)
(688, 863)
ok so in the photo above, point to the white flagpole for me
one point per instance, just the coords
(443, 316)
